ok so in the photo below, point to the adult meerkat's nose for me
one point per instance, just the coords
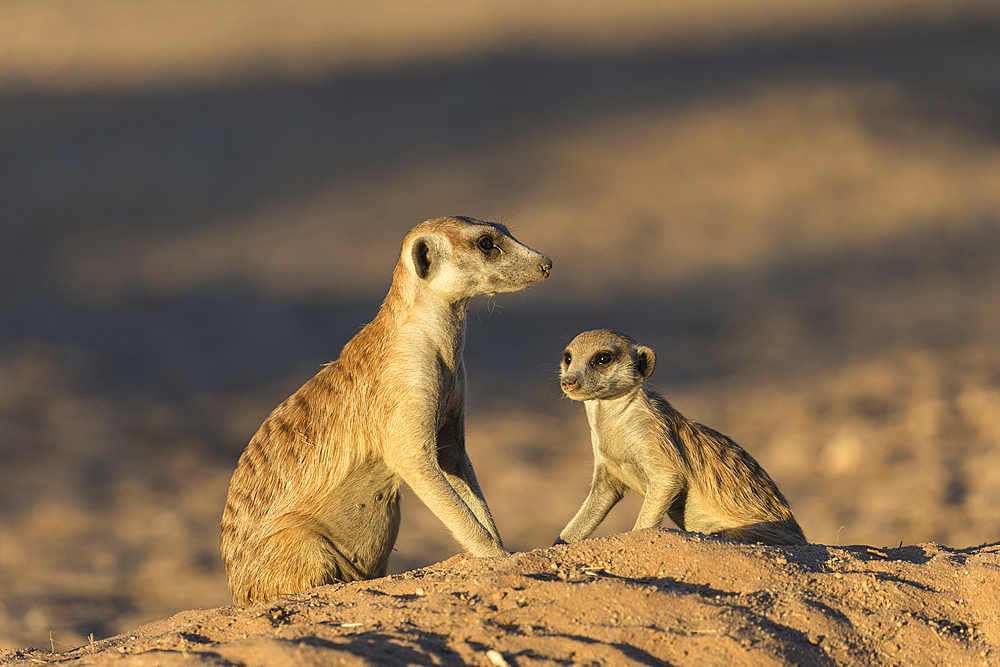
(546, 267)
(569, 383)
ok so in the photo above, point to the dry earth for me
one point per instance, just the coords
(655, 597)
(795, 203)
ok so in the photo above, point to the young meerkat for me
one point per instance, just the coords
(698, 477)
(315, 496)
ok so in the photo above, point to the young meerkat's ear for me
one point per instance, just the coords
(645, 362)
(427, 253)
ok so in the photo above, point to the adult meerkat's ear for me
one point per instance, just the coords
(645, 362)
(427, 253)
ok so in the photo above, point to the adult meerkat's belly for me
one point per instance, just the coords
(362, 521)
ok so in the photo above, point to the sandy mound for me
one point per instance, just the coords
(649, 598)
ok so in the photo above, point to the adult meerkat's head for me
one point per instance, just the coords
(463, 257)
(604, 364)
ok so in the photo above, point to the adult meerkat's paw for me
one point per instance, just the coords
(491, 552)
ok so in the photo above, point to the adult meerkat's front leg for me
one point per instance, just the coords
(467, 487)
(416, 462)
(429, 483)
(457, 469)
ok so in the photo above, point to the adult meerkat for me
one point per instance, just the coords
(698, 477)
(315, 496)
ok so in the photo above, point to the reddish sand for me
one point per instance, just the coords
(655, 597)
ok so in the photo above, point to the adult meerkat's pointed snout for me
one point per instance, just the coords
(480, 258)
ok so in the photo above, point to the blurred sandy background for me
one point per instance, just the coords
(795, 203)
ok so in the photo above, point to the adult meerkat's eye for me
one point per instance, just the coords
(567, 358)
(485, 244)
(603, 358)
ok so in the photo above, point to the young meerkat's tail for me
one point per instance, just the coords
(774, 533)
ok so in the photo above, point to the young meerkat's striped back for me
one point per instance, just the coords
(698, 477)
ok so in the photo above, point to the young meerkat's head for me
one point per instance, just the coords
(604, 364)
(463, 257)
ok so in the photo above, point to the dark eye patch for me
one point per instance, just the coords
(485, 244)
(602, 358)
(567, 358)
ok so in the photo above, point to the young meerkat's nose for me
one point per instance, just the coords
(569, 383)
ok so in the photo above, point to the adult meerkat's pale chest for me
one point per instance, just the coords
(315, 496)
(698, 477)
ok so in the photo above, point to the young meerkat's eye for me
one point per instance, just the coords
(485, 244)
(567, 358)
(603, 358)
